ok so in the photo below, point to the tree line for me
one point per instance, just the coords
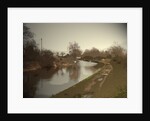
(47, 58)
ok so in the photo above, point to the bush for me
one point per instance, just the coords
(46, 58)
(117, 60)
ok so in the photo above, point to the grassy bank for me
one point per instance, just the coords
(91, 87)
(122, 93)
(115, 84)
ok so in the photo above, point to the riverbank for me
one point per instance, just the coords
(33, 66)
(105, 83)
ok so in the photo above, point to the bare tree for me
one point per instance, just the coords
(30, 50)
(27, 35)
(62, 54)
(117, 51)
(95, 52)
(57, 53)
(74, 49)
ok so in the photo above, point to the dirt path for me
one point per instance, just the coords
(98, 79)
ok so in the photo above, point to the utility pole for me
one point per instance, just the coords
(41, 44)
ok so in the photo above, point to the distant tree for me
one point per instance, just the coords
(62, 54)
(57, 53)
(94, 52)
(117, 51)
(74, 49)
(47, 58)
(118, 54)
(47, 53)
(86, 53)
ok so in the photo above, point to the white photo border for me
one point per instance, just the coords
(18, 16)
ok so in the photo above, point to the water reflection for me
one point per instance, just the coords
(44, 83)
(74, 72)
(32, 78)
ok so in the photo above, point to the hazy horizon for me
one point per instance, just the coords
(56, 36)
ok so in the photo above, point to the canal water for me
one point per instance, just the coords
(45, 83)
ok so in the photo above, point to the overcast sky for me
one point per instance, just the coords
(56, 36)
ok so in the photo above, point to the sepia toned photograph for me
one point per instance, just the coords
(74, 60)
